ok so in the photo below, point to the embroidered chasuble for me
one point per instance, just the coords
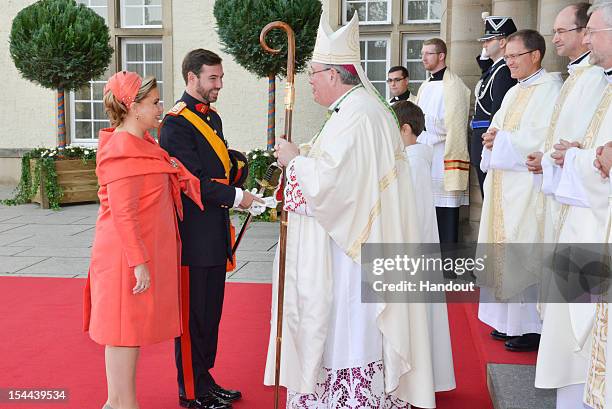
(509, 209)
(357, 188)
(572, 334)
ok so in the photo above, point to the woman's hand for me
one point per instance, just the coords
(143, 279)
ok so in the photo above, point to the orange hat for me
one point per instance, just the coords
(125, 86)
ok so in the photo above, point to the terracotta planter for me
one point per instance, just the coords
(77, 180)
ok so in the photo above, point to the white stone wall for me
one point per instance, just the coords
(27, 111)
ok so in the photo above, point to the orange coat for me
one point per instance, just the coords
(139, 193)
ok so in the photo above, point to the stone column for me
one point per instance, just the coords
(547, 12)
(461, 26)
(523, 12)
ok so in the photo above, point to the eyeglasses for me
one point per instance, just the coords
(311, 73)
(515, 56)
(395, 80)
(564, 30)
(428, 53)
(588, 31)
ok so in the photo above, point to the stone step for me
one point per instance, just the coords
(511, 387)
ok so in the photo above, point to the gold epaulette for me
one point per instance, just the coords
(176, 110)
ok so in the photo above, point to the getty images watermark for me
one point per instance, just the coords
(426, 268)
(436, 273)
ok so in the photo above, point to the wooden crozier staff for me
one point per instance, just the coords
(289, 100)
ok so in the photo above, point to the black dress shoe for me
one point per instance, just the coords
(499, 336)
(228, 395)
(524, 343)
(207, 401)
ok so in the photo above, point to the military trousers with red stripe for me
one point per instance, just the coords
(202, 291)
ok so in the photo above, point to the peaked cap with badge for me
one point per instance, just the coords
(497, 26)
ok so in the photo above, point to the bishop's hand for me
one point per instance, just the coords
(285, 151)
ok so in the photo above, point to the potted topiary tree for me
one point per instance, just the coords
(239, 23)
(59, 45)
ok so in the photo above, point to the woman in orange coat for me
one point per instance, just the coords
(132, 292)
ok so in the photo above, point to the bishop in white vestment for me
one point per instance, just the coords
(349, 186)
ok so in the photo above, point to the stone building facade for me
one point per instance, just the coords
(152, 37)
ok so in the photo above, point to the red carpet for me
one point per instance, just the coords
(43, 347)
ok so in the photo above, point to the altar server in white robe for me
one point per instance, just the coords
(574, 107)
(445, 100)
(348, 186)
(509, 211)
(567, 344)
(412, 123)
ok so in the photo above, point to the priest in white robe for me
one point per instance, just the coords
(598, 390)
(580, 93)
(509, 211)
(349, 186)
(445, 100)
(572, 347)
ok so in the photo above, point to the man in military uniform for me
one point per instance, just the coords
(398, 80)
(493, 85)
(192, 132)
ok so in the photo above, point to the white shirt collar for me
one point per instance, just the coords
(532, 78)
(498, 60)
(571, 67)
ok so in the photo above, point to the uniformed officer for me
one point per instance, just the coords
(192, 132)
(493, 85)
(398, 81)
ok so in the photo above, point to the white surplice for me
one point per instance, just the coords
(509, 211)
(431, 101)
(419, 157)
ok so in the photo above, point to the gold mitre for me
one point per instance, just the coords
(339, 47)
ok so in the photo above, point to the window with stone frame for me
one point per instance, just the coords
(138, 47)
(144, 56)
(140, 13)
(368, 11)
(408, 23)
(99, 6)
(87, 114)
(411, 52)
(375, 61)
(422, 11)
